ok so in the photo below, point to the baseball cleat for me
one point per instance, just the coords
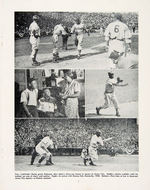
(36, 63)
(97, 111)
(117, 114)
(92, 164)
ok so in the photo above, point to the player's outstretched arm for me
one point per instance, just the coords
(123, 84)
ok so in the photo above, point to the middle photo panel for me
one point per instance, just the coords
(49, 93)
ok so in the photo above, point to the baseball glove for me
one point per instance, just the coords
(114, 55)
(119, 80)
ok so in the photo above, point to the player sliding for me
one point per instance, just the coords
(109, 93)
(78, 29)
(118, 39)
(95, 142)
(42, 149)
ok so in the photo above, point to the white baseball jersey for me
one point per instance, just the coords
(46, 142)
(95, 141)
(58, 29)
(78, 28)
(34, 27)
(29, 97)
(109, 88)
(118, 30)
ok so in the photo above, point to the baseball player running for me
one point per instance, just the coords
(78, 28)
(109, 93)
(34, 32)
(42, 149)
(118, 39)
(58, 30)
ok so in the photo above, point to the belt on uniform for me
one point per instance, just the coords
(117, 39)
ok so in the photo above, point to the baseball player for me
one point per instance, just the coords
(84, 155)
(78, 28)
(36, 141)
(109, 93)
(96, 140)
(34, 32)
(42, 149)
(118, 39)
(58, 30)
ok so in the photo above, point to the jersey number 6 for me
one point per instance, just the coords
(116, 29)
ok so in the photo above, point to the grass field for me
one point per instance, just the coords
(93, 55)
(74, 163)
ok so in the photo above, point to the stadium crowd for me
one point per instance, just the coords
(48, 20)
(77, 133)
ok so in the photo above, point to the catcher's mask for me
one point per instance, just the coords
(98, 133)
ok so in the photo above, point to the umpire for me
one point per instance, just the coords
(65, 36)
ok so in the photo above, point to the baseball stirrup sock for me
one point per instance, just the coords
(41, 159)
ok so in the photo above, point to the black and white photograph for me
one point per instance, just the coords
(76, 145)
(73, 115)
(111, 93)
(49, 93)
(92, 40)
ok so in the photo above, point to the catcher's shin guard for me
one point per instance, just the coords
(34, 154)
(91, 163)
(85, 161)
(49, 161)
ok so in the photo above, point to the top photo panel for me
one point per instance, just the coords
(85, 40)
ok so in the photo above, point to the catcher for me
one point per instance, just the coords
(118, 39)
(34, 32)
(109, 93)
(42, 149)
(39, 137)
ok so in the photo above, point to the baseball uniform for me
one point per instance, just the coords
(33, 40)
(118, 35)
(45, 142)
(109, 94)
(95, 142)
(78, 29)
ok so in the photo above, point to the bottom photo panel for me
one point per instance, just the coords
(76, 145)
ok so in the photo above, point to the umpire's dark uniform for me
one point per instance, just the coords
(65, 36)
